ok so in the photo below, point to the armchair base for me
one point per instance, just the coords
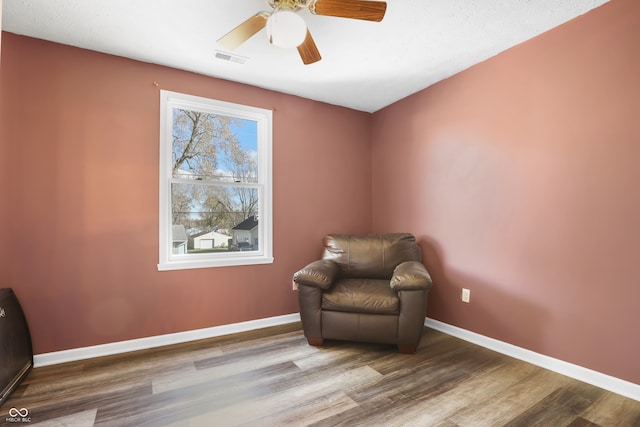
(407, 349)
(316, 342)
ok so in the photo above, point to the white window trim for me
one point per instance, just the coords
(168, 260)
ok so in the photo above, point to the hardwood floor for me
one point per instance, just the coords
(272, 377)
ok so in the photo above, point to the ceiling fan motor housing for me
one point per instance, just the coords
(286, 29)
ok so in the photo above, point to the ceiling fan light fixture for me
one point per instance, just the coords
(285, 28)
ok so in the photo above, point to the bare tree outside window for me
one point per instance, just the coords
(220, 168)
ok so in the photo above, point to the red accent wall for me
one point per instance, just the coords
(80, 211)
(520, 177)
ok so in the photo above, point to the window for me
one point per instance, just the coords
(215, 183)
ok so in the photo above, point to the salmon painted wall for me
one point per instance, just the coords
(520, 178)
(81, 146)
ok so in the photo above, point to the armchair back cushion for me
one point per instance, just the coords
(372, 256)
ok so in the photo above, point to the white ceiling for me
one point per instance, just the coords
(366, 65)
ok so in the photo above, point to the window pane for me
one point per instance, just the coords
(209, 146)
(214, 218)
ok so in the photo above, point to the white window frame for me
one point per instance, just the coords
(264, 255)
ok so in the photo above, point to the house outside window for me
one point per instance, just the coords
(215, 183)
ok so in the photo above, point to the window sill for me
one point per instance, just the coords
(218, 262)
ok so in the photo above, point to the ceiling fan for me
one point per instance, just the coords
(285, 28)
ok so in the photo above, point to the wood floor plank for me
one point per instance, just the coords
(612, 410)
(561, 407)
(502, 407)
(304, 414)
(223, 366)
(581, 422)
(271, 377)
(61, 405)
(80, 419)
(472, 393)
(393, 397)
(304, 395)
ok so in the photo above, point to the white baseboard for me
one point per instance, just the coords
(82, 353)
(588, 376)
(607, 382)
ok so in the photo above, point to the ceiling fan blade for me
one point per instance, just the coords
(355, 9)
(244, 31)
(308, 50)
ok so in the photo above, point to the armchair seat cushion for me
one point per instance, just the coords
(370, 296)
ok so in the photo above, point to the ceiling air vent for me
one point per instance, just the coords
(225, 56)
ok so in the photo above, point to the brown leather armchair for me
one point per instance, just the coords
(369, 288)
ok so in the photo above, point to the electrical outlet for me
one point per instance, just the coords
(466, 295)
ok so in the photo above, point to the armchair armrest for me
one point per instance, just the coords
(410, 275)
(319, 273)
